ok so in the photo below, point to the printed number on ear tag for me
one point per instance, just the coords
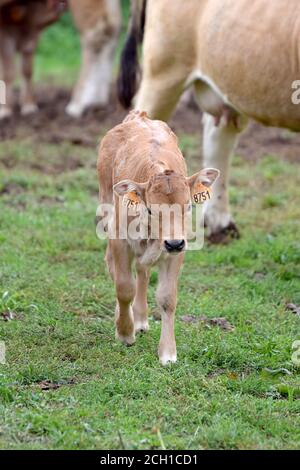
(131, 201)
(202, 193)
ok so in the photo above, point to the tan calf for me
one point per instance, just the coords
(140, 159)
(242, 58)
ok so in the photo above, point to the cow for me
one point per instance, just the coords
(98, 22)
(241, 57)
(140, 163)
(21, 23)
(99, 25)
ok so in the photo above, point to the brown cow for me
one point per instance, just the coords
(21, 23)
(140, 162)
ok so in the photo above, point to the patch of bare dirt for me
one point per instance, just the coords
(11, 189)
(8, 315)
(47, 385)
(56, 168)
(221, 322)
(52, 125)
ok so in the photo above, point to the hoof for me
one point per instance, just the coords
(5, 113)
(127, 340)
(74, 110)
(141, 327)
(166, 359)
(225, 235)
(156, 315)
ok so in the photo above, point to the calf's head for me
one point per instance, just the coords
(165, 202)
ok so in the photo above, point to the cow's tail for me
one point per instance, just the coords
(128, 78)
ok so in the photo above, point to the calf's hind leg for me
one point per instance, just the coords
(110, 261)
(140, 306)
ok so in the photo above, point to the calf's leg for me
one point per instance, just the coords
(110, 261)
(166, 297)
(140, 306)
(125, 291)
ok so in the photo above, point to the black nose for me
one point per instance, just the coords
(174, 245)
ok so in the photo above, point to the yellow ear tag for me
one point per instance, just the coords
(131, 201)
(201, 193)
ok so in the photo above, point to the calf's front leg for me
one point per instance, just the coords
(125, 291)
(166, 297)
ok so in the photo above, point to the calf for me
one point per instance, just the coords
(140, 163)
(21, 23)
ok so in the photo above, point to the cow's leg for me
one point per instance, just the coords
(219, 142)
(98, 43)
(140, 306)
(93, 87)
(28, 105)
(125, 290)
(158, 96)
(167, 298)
(7, 56)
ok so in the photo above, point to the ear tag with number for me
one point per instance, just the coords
(201, 194)
(132, 202)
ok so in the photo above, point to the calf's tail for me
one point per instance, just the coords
(129, 72)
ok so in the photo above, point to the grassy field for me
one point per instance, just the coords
(68, 384)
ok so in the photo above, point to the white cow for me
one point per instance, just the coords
(99, 25)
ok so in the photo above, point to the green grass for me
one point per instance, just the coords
(58, 53)
(54, 279)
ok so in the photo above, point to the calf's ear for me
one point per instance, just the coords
(207, 177)
(129, 186)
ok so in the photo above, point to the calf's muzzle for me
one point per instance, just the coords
(173, 246)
